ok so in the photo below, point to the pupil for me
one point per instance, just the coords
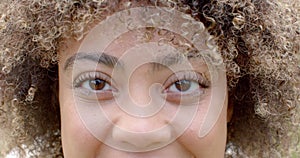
(183, 85)
(97, 84)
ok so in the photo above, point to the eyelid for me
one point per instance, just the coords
(188, 75)
(91, 75)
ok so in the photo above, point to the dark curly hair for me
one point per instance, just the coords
(258, 39)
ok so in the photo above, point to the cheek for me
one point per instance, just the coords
(212, 144)
(76, 139)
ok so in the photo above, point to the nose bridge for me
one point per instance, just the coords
(142, 133)
(139, 86)
(133, 131)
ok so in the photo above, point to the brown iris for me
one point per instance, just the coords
(183, 85)
(97, 84)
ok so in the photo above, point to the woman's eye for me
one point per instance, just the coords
(184, 86)
(96, 85)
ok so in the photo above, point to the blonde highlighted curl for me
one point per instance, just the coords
(258, 39)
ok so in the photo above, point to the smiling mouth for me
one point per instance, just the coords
(151, 154)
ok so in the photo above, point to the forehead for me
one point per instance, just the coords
(148, 38)
(146, 24)
(129, 28)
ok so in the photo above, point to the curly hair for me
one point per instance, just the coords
(258, 39)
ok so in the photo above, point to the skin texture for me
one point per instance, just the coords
(79, 141)
(258, 40)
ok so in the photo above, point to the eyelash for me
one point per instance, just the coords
(190, 75)
(173, 96)
(90, 75)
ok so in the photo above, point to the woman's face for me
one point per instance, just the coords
(140, 93)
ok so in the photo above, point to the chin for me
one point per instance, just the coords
(170, 151)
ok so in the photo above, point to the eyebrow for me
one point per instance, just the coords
(173, 59)
(111, 61)
(101, 58)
